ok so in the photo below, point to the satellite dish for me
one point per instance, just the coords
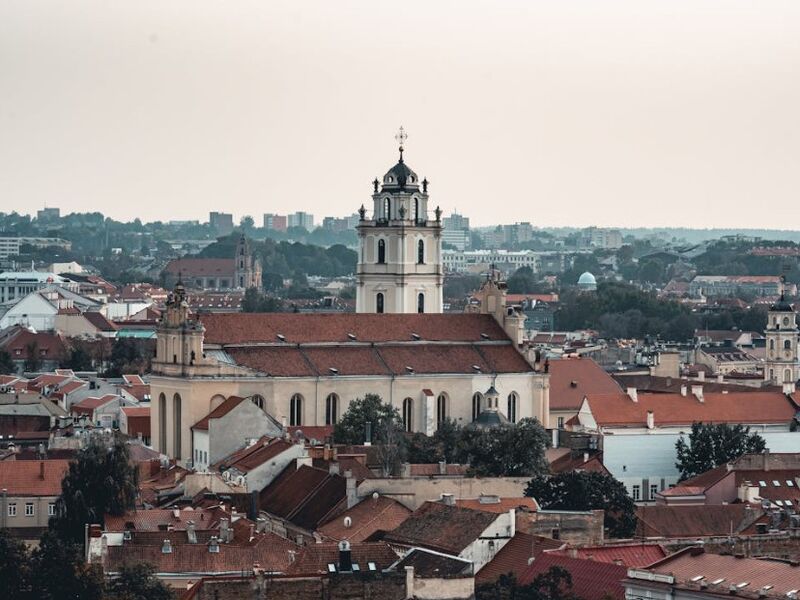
(348, 522)
(375, 495)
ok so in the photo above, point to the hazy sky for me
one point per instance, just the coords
(558, 113)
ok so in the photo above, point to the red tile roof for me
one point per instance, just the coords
(138, 420)
(312, 432)
(50, 346)
(155, 519)
(591, 580)
(223, 409)
(627, 555)
(33, 478)
(367, 517)
(320, 327)
(675, 409)
(514, 556)
(304, 496)
(201, 267)
(437, 526)
(88, 405)
(569, 463)
(136, 411)
(695, 520)
(571, 379)
(99, 321)
(256, 455)
(315, 558)
(502, 505)
(432, 470)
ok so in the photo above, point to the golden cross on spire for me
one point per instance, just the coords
(401, 138)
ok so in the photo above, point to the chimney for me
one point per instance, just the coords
(191, 534)
(697, 391)
(632, 394)
(368, 434)
(333, 468)
(261, 524)
(766, 459)
(304, 459)
(683, 390)
(405, 470)
(442, 467)
(788, 388)
(701, 375)
(225, 531)
(448, 499)
(213, 545)
(410, 583)
(651, 420)
(166, 547)
(326, 452)
(720, 378)
(345, 558)
(554, 435)
(41, 470)
(512, 516)
(350, 486)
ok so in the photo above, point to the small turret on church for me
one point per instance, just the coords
(179, 343)
(782, 366)
(248, 268)
(491, 299)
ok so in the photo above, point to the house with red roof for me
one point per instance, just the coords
(571, 380)
(135, 422)
(30, 490)
(102, 411)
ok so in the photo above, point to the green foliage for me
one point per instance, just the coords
(137, 582)
(78, 358)
(100, 481)
(7, 366)
(711, 445)
(443, 445)
(554, 584)
(60, 573)
(256, 302)
(511, 450)
(458, 287)
(587, 491)
(33, 362)
(15, 572)
(129, 355)
(351, 428)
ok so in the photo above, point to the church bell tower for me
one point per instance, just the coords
(400, 256)
(782, 366)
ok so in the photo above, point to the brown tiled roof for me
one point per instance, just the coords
(628, 555)
(70, 387)
(503, 505)
(432, 470)
(440, 527)
(367, 517)
(315, 558)
(428, 564)
(316, 327)
(138, 420)
(88, 405)
(591, 580)
(33, 478)
(51, 346)
(650, 383)
(514, 556)
(304, 496)
(674, 409)
(223, 409)
(695, 520)
(698, 484)
(781, 576)
(571, 379)
(201, 267)
(569, 463)
(256, 455)
(155, 519)
(99, 321)
(785, 490)
(312, 432)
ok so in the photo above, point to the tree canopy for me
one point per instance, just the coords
(510, 450)
(587, 491)
(711, 445)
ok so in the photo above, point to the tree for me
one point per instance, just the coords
(78, 358)
(138, 582)
(553, 584)
(256, 302)
(711, 445)
(59, 571)
(33, 361)
(443, 445)
(523, 281)
(101, 481)
(7, 366)
(587, 491)
(385, 423)
(511, 450)
(15, 574)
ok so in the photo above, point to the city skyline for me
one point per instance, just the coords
(619, 115)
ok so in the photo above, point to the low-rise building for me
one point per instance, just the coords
(30, 489)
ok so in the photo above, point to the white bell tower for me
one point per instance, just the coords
(782, 366)
(400, 256)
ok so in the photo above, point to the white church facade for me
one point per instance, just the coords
(304, 369)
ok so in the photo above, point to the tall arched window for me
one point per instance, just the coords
(331, 409)
(772, 344)
(416, 210)
(787, 344)
(477, 397)
(296, 410)
(379, 302)
(441, 409)
(176, 420)
(408, 414)
(512, 407)
(421, 252)
(258, 400)
(381, 252)
(420, 302)
(387, 209)
(162, 423)
(787, 376)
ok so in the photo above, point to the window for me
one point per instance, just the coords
(258, 400)
(29, 512)
(408, 414)
(51, 509)
(381, 252)
(441, 409)
(555, 534)
(476, 405)
(176, 421)
(416, 210)
(776, 483)
(387, 207)
(420, 303)
(637, 493)
(787, 375)
(772, 344)
(787, 344)
(162, 423)
(379, 303)
(331, 409)
(512, 407)
(12, 509)
(296, 410)
(561, 422)
(421, 252)
(653, 491)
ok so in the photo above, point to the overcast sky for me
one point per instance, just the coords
(562, 112)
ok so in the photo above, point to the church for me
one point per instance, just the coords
(304, 369)
(239, 272)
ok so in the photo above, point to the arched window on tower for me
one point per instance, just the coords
(331, 409)
(379, 303)
(420, 302)
(772, 344)
(787, 376)
(162, 423)
(416, 210)
(296, 410)
(381, 252)
(387, 209)
(476, 405)
(176, 422)
(421, 252)
(512, 407)
(787, 344)
(408, 414)
(441, 409)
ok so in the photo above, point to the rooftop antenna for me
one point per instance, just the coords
(401, 138)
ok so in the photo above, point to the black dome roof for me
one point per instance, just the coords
(782, 306)
(401, 176)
